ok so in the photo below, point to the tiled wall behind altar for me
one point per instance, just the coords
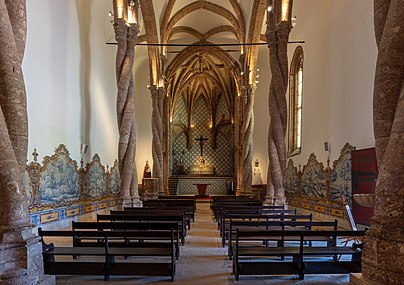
(58, 189)
(319, 189)
(221, 157)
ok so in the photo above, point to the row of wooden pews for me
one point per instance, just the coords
(274, 240)
(135, 241)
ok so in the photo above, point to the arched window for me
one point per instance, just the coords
(295, 102)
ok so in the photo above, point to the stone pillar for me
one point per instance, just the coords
(158, 139)
(20, 251)
(277, 38)
(126, 35)
(383, 253)
(247, 140)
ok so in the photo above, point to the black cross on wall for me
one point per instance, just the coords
(201, 140)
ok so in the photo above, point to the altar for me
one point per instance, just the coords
(216, 185)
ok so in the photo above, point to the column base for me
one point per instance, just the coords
(124, 202)
(359, 279)
(21, 260)
(383, 254)
(136, 201)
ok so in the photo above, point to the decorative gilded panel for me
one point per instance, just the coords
(95, 182)
(73, 212)
(337, 212)
(320, 208)
(102, 205)
(59, 180)
(49, 217)
(89, 208)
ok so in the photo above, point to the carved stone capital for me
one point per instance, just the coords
(132, 32)
(283, 30)
(271, 36)
(121, 30)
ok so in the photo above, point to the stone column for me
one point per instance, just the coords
(383, 253)
(247, 140)
(237, 145)
(126, 36)
(277, 38)
(158, 140)
(20, 251)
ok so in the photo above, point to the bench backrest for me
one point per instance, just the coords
(127, 216)
(303, 234)
(141, 235)
(125, 226)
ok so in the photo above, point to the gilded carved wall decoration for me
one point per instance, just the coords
(318, 188)
(59, 179)
(313, 179)
(291, 180)
(114, 180)
(95, 181)
(58, 189)
(341, 176)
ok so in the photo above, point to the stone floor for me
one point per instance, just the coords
(203, 261)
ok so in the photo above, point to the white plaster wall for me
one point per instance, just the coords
(352, 53)
(339, 62)
(51, 68)
(70, 78)
(143, 111)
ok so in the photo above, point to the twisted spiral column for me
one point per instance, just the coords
(277, 38)
(126, 38)
(157, 130)
(20, 250)
(383, 251)
(247, 140)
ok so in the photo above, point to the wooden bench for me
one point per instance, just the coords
(105, 260)
(127, 216)
(188, 204)
(245, 209)
(225, 215)
(239, 204)
(280, 225)
(125, 226)
(253, 258)
(217, 198)
(158, 211)
(229, 218)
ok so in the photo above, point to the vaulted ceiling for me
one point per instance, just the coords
(202, 46)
